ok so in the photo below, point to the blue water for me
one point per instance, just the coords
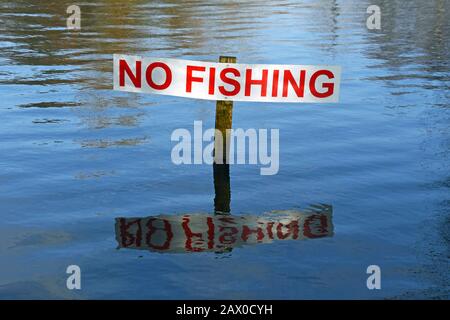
(76, 155)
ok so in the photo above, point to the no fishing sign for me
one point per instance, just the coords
(227, 81)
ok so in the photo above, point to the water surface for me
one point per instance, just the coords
(76, 155)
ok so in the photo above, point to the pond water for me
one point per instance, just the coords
(77, 157)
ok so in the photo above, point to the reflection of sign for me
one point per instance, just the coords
(202, 232)
(222, 81)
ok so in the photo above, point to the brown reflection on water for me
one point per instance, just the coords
(109, 143)
(40, 30)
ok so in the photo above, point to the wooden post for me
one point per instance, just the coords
(221, 167)
(224, 119)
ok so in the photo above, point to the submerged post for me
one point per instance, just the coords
(222, 188)
(224, 120)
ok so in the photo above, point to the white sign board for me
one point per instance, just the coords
(227, 81)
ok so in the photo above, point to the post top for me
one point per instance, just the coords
(227, 59)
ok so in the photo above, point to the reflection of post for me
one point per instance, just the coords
(224, 116)
(222, 188)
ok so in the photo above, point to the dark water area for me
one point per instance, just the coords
(76, 156)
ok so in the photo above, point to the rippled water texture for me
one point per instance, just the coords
(77, 157)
